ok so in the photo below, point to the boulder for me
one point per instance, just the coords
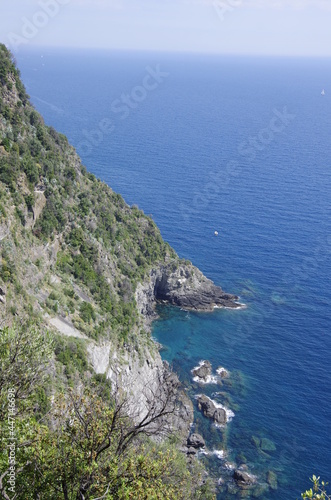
(220, 416)
(196, 441)
(206, 405)
(210, 410)
(203, 371)
(191, 451)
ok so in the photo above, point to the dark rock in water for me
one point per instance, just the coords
(196, 441)
(267, 445)
(243, 478)
(208, 408)
(203, 371)
(220, 416)
(272, 480)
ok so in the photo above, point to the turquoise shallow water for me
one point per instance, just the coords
(187, 154)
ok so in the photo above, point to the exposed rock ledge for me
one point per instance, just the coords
(182, 285)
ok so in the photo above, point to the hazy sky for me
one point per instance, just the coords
(272, 27)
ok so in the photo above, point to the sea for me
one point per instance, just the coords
(231, 157)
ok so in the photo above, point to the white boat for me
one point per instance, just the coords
(216, 233)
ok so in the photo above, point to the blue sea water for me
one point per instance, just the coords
(204, 151)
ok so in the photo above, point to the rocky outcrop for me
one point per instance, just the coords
(210, 410)
(195, 441)
(183, 285)
(203, 371)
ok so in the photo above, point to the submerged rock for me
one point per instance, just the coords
(260, 490)
(272, 480)
(257, 441)
(267, 445)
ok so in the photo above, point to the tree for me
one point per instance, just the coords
(24, 353)
(85, 452)
(318, 491)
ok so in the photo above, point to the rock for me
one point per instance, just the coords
(185, 286)
(243, 478)
(210, 410)
(257, 441)
(191, 451)
(196, 441)
(223, 373)
(260, 489)
(272, 480)
(203, 371)
(220, 416)
(267, 445)
(241, 458)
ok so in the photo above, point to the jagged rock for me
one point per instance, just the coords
(203, 371)
(182, 285)
(272, 480)
(187, 287)
(196, 441)
(208, 408)
(191, 451)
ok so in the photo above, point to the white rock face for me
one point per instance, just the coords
(99, 357)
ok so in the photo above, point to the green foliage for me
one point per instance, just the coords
(72, 354)
(29, 200)
(318, 491)
(7, 267)
(87, 312)
(79, 458)
(24, 351)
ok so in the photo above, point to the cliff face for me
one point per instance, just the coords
(183, 285)
(76, 259)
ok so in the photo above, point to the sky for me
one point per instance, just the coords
(247, 27)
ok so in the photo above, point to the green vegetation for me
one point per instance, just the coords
(81, 212)
(318, 491)
(77, 444)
